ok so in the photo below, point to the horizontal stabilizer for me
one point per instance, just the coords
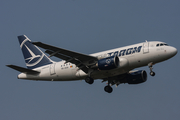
(23, 70)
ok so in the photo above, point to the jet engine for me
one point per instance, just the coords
(108, 63)
(137, 77)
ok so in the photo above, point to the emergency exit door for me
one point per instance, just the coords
(52, 69)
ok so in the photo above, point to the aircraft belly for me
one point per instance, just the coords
(108, 73)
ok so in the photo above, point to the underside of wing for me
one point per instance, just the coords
(82, 61)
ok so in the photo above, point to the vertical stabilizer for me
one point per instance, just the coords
(33, 56)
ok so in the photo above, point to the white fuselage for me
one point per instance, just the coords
(130, 57)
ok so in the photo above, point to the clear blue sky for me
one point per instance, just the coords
(89, 26)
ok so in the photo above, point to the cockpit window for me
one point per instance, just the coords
(161, 44)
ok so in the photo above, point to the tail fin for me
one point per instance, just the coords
(33, 56)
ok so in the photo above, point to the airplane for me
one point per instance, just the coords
(114, 66)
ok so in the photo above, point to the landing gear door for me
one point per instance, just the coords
(146, 47)
(52, 69)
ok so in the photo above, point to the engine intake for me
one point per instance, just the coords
(108, 63)
(137, 77)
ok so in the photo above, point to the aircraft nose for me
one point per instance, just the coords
(173, 51)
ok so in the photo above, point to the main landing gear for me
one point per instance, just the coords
(150, 65)
(108, 89)
(89, 80)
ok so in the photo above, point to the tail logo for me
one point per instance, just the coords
(36, 58)
(32, 56)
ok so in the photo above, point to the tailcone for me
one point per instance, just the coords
(22, 76)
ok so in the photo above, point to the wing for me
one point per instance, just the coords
(82, 61)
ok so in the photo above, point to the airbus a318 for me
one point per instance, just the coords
(114, 66)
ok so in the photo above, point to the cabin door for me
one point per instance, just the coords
(146, 47)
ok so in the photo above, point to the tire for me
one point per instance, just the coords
(89, 80)
(152, 73)
(108, 89)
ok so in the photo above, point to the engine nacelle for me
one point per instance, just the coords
(137, 77)
(108, 63)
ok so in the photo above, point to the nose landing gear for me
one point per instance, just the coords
(152, 73)
(150, 65)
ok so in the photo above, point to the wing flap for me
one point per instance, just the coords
(23, 70)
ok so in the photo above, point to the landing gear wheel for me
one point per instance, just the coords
(89, 80)
(151, 67)
(108, 89)
(152, 73)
